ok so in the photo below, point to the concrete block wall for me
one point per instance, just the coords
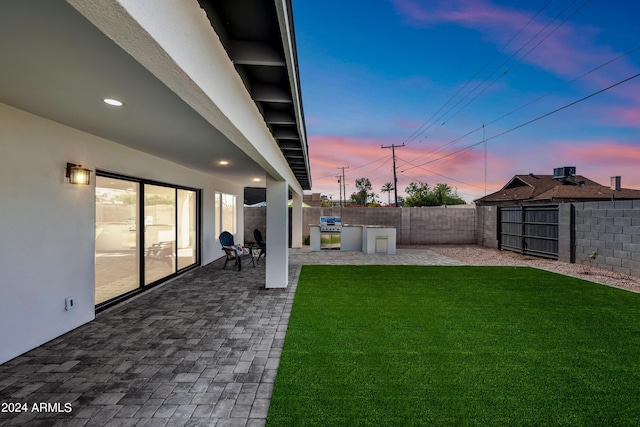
(404, 233)
(414, 226)
(440, 226)
(255, 218)
(487, 226)
(612, 229)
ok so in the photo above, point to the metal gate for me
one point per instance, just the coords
(531, 230)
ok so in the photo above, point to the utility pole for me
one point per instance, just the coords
(484, 140)
(395, 177)
(344, 185)
(340, 188)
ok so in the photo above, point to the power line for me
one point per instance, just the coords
(531, 121)
(357, 167)
(482, 83)
(500, 75)
(418, 131)
(520, 59)
(453, 141)
(629, 52)
(440, 175)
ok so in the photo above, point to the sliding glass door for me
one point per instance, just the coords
(146, 232)
(117, 243)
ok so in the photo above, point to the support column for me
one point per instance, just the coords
(296, 221)
(277, 269)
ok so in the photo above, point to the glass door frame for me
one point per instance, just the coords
(140, 227)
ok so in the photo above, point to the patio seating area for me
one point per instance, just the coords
(201, 350)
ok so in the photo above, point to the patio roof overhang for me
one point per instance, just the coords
(260, 40)
(62, 58)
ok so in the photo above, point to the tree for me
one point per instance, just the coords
(445, 195)
(441, 193)
(364, 193)
(387, 188)
(419, 194)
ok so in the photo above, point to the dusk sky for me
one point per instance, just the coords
(431, 73)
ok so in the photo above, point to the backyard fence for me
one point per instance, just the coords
(531, 230)
(570, 232)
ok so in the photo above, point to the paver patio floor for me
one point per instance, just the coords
(201, 350)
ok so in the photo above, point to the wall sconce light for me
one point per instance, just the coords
(77, 174)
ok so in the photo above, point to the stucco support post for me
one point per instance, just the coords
(296, 221)
(277, 269)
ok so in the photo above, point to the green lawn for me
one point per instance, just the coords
(441, 346)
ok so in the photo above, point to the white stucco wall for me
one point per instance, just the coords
(47, 225)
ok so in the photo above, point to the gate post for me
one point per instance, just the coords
(566, 233)
(523, 220)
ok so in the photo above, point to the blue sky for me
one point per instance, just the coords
(430, 74)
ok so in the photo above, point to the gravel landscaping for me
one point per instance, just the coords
(479, 255)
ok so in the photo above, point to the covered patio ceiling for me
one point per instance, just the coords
(252, 32)
(58, 65)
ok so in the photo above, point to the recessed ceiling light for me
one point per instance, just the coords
(224, 162)
(113, 102)
(256, 180)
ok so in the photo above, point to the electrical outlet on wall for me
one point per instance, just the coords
(69, 303)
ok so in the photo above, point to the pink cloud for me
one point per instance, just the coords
(597, 160)
(327, 153)
(602, 154)
(570, 50)
(600, 160)
(468, 12)
(625, 116)
(365, 158)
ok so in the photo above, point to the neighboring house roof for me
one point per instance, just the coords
(545, 188)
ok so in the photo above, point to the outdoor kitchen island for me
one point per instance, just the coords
(370, 239)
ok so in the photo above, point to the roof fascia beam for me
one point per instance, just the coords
(269, 93)
(255, 53)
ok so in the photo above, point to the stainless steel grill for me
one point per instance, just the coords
(330, 232)
(330, 224)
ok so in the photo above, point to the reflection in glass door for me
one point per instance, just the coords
(186, 228)
(159, 232)
(116, 260)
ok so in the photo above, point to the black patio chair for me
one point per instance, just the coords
(257, 235)
(161, 251)
(233, 252)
